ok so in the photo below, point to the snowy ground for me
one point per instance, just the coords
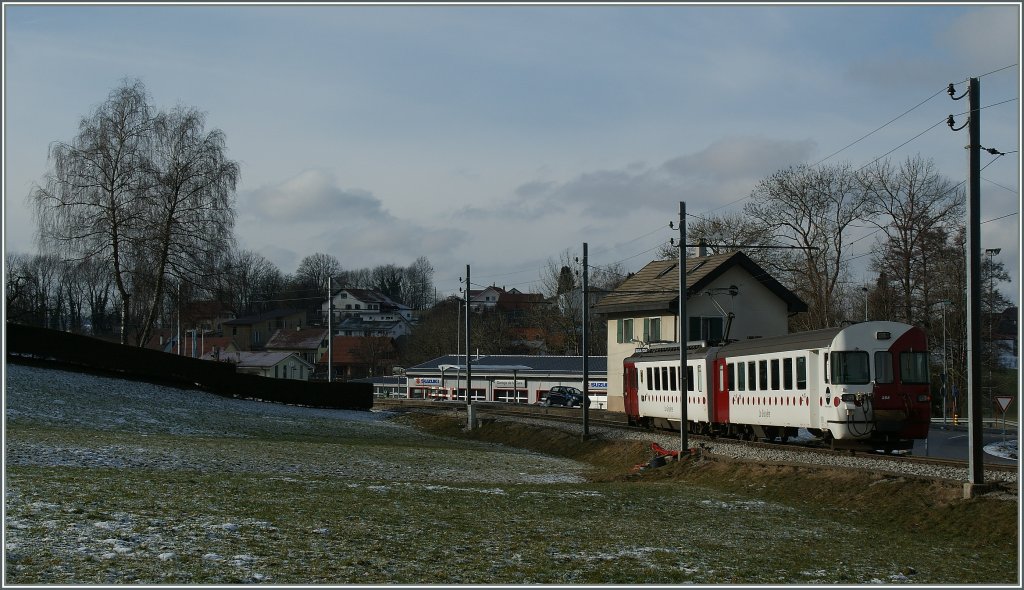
(114, 482)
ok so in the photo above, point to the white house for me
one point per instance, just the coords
(724, 293)
(275, 364)
(363, 312)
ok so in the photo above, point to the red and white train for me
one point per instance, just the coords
(863, 386)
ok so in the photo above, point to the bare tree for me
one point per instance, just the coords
(419, 284)
(315, 270)
(190, 203)
(727, 233)
(811, 209)
(910, 202)
(389, 280)
(248, 280)
(91, 204)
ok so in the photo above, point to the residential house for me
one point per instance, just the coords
(275, 364)
(363, 312)
(205, 316)
(487, 299)
(727, 296)
(252, 332)
(356, 357)
(309, 343)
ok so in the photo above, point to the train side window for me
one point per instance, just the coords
(657, 379)
(762, 374)
(787, 374)
(664, 378)
(883, 367)
(752, 376)
(741, 377)
(731, 384)
(673, 375)
(689, 378)
(801, 372)
(775, 374)
(650, 378)
(913, 367)
(700, 379)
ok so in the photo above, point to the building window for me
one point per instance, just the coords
(705, 328)
(652, 329)
(624, 331)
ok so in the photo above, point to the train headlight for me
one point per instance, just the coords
(853, 398)
(923, 398)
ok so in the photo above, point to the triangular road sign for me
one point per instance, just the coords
(1004, 402)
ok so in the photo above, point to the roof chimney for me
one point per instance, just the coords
(702, 248)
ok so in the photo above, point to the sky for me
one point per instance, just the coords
(502, 136)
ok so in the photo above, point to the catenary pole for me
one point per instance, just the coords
(975, 443)
(586, 356)
(469, 369)
(330, 336)
(684, 444)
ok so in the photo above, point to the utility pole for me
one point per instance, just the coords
(469, 370)
(586, 356)
(684, 443)
(974, 436)
(330, 335)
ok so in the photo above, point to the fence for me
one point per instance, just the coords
(84, 353)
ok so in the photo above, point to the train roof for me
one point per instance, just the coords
(796, 341)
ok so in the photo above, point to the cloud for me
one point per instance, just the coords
(741, 158)
(987, 35)
(723, 170)
(313, 195)
(309, 213)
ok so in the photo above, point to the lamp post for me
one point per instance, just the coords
(945, 374)
(991, 253)
(865, 290)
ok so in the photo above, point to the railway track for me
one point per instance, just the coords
(616, 420)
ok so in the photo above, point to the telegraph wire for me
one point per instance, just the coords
(940, 91)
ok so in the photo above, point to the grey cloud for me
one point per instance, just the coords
(311, 196)
(741, 158)
(704, 177)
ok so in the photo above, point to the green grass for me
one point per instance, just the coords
(420, 501)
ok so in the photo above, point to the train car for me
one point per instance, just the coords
(862, 386)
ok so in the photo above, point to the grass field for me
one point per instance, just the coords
(113, 482)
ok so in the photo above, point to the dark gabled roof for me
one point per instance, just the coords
(302, 339)
(345, 350)
(261, 358)
(539, 365)
(655, 287)
(270, 315)
(371, 296)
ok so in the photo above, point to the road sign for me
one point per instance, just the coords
(1004, 402)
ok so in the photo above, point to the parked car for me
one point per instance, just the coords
(562, 395)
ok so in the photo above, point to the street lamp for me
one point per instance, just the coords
(865, 289)
(945, 374)
(991, 253)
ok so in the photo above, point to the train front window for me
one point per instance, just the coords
(883, 367)
(913, 367)
(850, 368)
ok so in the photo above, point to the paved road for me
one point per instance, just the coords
(951, 442)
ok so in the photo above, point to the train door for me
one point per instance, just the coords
(719, 391)
(630, 383)
(815, 389)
